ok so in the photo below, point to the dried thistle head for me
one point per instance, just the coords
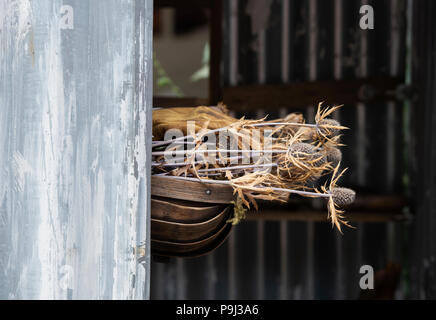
(329, 127)
(302, 149)
(322, 113)
(343, 196)
(338, 196)
(301, 164)
(333, 156)
(304, 153)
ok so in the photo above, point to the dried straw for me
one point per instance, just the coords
(298, 154)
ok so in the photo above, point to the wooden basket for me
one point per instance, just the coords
(188, 218)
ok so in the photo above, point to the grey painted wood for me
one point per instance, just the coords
(75, 126)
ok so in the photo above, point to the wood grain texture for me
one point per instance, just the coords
(191, 249)
(171, 210)
(190, 190)
(75, 125)
(298, 94)
(188, 232)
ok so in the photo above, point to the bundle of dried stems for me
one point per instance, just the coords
(260, 159)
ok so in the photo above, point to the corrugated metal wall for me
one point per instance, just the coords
(272, 42)
(423, 271)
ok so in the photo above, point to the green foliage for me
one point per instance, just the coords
(203, 72)
(163, 80)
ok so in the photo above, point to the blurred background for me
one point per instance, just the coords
(273, 57)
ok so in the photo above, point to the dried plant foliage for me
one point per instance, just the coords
(338, 196)
(299, 155)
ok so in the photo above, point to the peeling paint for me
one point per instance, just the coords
(75, 119)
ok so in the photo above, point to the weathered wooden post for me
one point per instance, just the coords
(75, 127)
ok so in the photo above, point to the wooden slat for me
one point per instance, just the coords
(366, 208)
(363, 202)
(182, 211)
(191, 249)
(300, 94)
(321, 216)
(379, 202)
(190, 190)
(188, 232)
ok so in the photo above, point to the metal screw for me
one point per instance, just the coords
(208, 192)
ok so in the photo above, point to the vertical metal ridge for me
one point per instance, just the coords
(232, 294)
(313, 37)
(393, 71)
(313, 74)
(362, 72)
(233, 33)
(391, 128)
(260, 260)
(231, 287)
(285, 41)
(283, 260)
(338, 39)
(284, 244)
(310, 275)
(212, 277)
(181, 279)
(337, 69)
(261, 68)
(260, 244)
